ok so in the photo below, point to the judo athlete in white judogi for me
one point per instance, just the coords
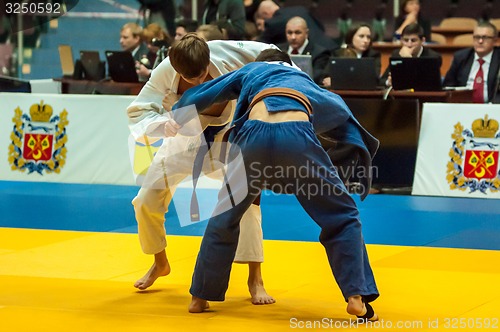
(173, 163)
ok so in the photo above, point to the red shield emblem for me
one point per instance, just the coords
(37, 147)
(480, 164)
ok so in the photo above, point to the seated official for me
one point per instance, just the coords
(297, 35)
(131, 41)
(412, 39)
(358, 42)
(271, 20)
(477, 67)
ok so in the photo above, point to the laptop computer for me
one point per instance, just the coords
(121, 66)
(66, 59)
(418, 74)
(11, 84)
(353, 74)
(92, 67)
(304, 62)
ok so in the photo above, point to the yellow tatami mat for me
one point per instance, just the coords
(82, 281)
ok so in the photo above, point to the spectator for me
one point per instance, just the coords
(477, 67)
(161, 12)
(410, 13)
(297, 35)
(131, 41)
(271, 20)
(184, 27)
(210, 32)
(232, 12)
(251, 31)
(251, 8)
(413, 40)
(228, 30)
(358, 41)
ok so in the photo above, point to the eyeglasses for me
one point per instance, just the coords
(485, 38)
(410, 40)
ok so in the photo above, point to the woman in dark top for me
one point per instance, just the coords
(358, 44)
(410, 13)
(359, 39)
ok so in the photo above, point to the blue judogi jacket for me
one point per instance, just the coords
(332, 118)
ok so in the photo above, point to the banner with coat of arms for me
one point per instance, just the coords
(458, 152)
(65, 138)
(38, 140)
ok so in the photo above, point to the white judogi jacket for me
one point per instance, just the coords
(225, 56)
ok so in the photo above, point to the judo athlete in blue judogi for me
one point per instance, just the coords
(273, 131)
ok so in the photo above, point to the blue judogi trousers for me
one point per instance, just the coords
(288, 158)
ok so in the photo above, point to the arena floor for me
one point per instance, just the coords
(69, 256)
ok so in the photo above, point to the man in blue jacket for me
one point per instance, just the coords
(274, 132)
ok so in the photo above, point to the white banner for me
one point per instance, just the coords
(458, 151)
(65, 138)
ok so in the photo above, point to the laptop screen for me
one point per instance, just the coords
(93, 69)
(418, 74)
(353, 74)
(121, 66)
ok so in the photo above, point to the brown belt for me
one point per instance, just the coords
(285, 92)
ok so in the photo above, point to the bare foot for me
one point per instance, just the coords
(259, 294)
(355, 305)
(256, 285)
(160, 268)
(197, 305)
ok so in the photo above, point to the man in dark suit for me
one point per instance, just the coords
(297, 35)
(413, 40)
(276, 18)
(131, 41)
(477, 67)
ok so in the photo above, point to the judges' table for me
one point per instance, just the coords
(444, 96)
(446, 52)
(72, 86)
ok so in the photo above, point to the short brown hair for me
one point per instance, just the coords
(210, 32)
(190, 56)
(272, 54)
(413, 29)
